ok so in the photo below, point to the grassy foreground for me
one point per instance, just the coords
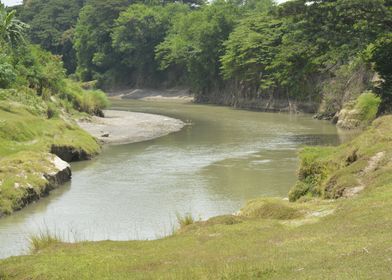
(312, 238)
(29, 128)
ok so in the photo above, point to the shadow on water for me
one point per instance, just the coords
(315, 139)
(322, 139)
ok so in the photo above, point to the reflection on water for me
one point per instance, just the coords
(209, 168)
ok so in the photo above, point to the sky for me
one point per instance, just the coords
(15, 2)
(11, 2)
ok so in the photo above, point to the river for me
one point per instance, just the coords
(212, 167)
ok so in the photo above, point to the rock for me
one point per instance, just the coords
(61, 174)
(349, 119)
(324, 116)
(335, 118)
(105, 135)
(58, 173)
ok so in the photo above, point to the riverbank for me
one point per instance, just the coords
(33, 151)
(312, 238)
(180, 95)
(35, 148)
(121, 127)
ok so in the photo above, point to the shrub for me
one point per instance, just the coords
(93, 101)
(367, 105)
(299, 190)
(313, 172)
(7, 74)
(88, 101)
(52, 111)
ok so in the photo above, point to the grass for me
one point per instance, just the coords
(89, 101)
(270, 239)
(43, 240)
(361, 113)
(270, 209)
(328, 171)
(185, 220)
(26, 138)
(367, 104)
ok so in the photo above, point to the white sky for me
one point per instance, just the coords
(11, 2)
(15, 2)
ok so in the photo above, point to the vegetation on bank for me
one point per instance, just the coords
(359, 113)
(335, 172)
(319, 51)
(312, 238)
(37, 106)
(321, 54)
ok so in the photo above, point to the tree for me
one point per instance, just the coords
(137, 32)
(250, 49)
(195, 43)
(93, 42)
(12, 30)
(380, 53)
(52, 24)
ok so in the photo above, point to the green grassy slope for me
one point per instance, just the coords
(347, 238)
(26, 138)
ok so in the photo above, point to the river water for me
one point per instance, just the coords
(212, 167)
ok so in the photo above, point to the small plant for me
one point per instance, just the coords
(185, 220)
(42, 240)
(52, 111)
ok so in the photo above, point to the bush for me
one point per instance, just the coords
(88, 101)
(93, 101)
(361, 113)
(299, 190)
(52, 111)
(7, 74)
(313, 172)
(367, 105)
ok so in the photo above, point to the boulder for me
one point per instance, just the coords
(60, 174)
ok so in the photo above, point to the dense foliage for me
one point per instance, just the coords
(323, 51)
(29, 69)
(52, 26)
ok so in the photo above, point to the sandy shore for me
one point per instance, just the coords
(121, 127)
(181, 95)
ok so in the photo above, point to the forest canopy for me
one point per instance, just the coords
(300, 50)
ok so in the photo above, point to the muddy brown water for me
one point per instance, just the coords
(212, 167)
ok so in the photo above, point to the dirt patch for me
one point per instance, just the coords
(371, 167)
